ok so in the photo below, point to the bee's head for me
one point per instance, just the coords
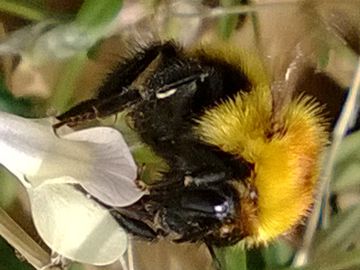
(210, 213)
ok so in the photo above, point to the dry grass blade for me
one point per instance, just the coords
(22, 242)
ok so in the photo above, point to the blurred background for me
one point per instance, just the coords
(55, 53)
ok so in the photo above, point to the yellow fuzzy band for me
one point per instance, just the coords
(285, 155)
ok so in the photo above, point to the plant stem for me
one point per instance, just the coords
(22, 11)
(22, 242)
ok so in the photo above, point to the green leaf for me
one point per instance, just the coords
(254, 259)
(95, 13)
(337, 261)
(232, 258)
(8, 259)
(323, 57)
(8, 188)
(278, 254)
(227, 23)
(341, 234)
(347, 165)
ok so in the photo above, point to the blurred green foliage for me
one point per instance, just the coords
(94, 16)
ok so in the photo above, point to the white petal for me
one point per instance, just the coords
(23, 143)
(113, 174)
(96, 158)
(75, 226)
(31, 148)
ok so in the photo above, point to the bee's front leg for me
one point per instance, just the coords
(98, 108)
(84, 111)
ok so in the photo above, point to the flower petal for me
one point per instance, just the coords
(113, 174)
(75, 226)
(96, 158)
(23, 143)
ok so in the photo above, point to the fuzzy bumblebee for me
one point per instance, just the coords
(240, 164)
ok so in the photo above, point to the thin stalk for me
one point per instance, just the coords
(236, 10)
(22, 11)
(22, 242)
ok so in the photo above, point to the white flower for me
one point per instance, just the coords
(98, 159)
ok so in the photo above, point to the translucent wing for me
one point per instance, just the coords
(307, 47)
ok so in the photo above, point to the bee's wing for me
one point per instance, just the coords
(341, 20)
(305, 47)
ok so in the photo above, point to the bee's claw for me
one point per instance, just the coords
(56, 126)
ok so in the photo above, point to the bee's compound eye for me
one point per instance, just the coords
(205, 203)
(222, 208)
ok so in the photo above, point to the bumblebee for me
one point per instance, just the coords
(242, 164)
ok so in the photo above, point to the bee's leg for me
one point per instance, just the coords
(117, 103)
(134, 226)
(129, 70)
(205, 179)
(191, 237)
(170, 181)
(114, 94)
(80, 109)
(95, 108)
(217, 172)
(216, 261)
(164, 185)
(82, 112)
